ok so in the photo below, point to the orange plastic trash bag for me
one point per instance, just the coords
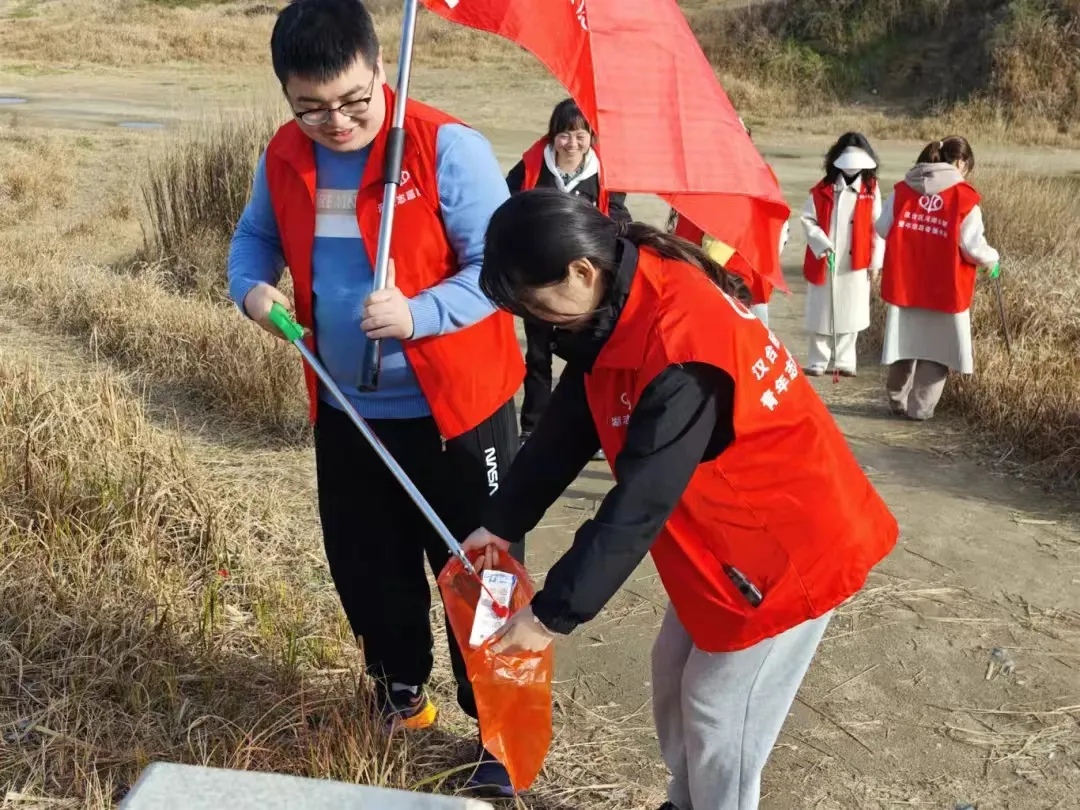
(513, 692)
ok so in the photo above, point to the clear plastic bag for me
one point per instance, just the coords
(513, 692)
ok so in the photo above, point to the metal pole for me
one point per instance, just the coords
(395, 146)
(387, 459)
(832, 313)
(1001, 312)
(295, 335)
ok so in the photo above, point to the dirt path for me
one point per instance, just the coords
(901, 707)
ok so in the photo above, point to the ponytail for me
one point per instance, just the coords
(674, 247)
(948, 150)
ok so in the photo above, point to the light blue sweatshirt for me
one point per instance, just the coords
(471, 187)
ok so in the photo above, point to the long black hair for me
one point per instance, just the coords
(859, 141)
(534, 236)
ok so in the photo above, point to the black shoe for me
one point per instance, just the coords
(490, 777)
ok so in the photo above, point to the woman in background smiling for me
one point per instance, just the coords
(565, 159)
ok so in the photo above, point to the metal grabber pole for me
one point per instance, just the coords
(832, 313)
(395, 146)
(294, 333)
(1001, 308)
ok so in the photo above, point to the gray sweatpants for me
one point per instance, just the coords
(718, 714)
(915, 386)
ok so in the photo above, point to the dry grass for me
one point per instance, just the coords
(1029, 403)
(211, 351)
(194, 191)
(149, 611)
(128, 33)
(1007, 70)
(1019, 734)
(35, 175)
(1031, 400)
(125, 33)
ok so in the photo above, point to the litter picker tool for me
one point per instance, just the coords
(294, 333)
(395, 148)
(1001, 306)
(832, 313)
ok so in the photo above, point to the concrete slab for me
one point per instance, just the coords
(171, 786)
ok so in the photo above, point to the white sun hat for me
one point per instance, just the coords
(854, 159)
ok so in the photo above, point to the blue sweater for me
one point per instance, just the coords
(471, 187)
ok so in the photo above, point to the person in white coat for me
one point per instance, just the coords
(936, 246)
(838, 220)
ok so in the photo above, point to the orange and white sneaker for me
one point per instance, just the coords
(404, 708)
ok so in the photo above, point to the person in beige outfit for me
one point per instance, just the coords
(936, 244)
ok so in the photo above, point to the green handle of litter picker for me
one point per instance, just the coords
(279, 317)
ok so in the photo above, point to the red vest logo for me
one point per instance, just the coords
(404, 195)
(931, 203)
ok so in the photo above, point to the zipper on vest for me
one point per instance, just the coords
(443, 440)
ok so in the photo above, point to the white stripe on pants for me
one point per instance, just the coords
(821, 351)
(718, 714)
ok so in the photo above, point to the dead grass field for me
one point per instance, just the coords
(147, 611)
(124, 33)
(164, 596)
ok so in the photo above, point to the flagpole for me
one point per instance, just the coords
(395, 147)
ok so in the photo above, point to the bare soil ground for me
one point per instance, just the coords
(907, 703)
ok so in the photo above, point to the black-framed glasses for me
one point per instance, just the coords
(350, 109)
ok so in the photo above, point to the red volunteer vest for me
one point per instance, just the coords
(815, 270)
(534, 161)
(786, 504)
(465, 376)
(923, 264)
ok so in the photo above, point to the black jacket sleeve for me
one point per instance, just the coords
(617, 207)
(562, 444)
(683, 417)
(516, 177)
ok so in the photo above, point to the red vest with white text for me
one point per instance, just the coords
(862, 229)
(924, 267)
(786, 504)
(466, 375)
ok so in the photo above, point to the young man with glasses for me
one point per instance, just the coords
(450, 361)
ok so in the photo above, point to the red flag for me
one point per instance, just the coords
(666, 125)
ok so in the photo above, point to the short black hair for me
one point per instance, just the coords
(321, 39)
(566, 117)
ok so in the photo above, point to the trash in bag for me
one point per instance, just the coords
(513, 692)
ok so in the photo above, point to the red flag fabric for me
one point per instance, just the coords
(667, 127)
